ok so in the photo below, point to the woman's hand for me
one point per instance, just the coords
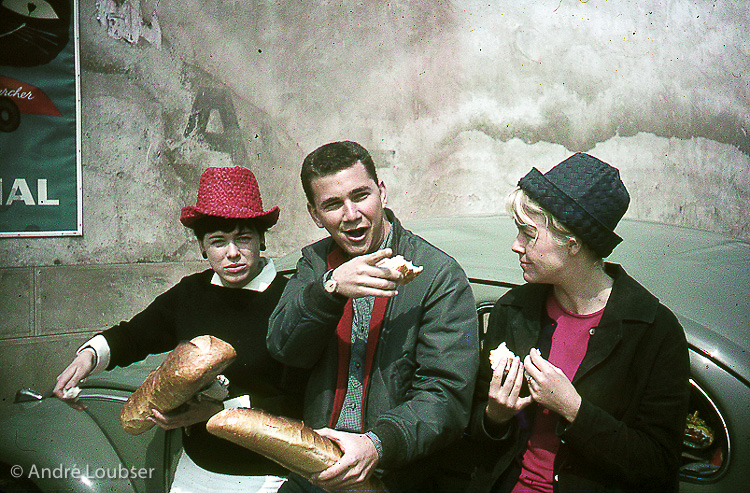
(504, 401)
(194, 411)
(550, 387)
(84, 362)
(355, 466)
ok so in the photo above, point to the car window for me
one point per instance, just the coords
(483, 313)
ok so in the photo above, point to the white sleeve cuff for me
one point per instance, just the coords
(99, 345)
(241, 401)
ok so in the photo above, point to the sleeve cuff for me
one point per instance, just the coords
(99, 345)
(217, 390)
(496, 432)
(241, 401)
(375, 441)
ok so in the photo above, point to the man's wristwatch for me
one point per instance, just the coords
(329, 283)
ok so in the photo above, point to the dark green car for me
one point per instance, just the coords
(704, 278)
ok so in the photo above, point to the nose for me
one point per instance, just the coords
(351, 211)
(232, 250)
(517, 246)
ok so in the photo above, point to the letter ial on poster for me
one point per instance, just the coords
(20, 192)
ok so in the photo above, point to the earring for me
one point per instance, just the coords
(205, 255)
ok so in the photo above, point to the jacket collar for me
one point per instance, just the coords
(396, 229)
(629, 301)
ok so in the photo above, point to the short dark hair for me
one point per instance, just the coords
(208, 224)
(332, 158)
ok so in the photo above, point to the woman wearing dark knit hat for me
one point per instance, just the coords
(596, 397)
(232, 301)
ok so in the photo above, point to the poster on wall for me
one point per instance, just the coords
(40, 154)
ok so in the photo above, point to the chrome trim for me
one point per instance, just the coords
(27, 395)
(725, 466)
(103, 397)
(718, 363)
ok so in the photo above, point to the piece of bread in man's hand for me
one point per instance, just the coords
(187, 369)
(400, 264)
(286, 441)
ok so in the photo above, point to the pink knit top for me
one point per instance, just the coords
(569, 343)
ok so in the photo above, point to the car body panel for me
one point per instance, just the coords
(732, 397)
(704, 278)
(88, 444)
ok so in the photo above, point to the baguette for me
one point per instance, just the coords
(187, 369)
(286, 441)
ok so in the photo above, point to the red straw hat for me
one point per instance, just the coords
(231, 193)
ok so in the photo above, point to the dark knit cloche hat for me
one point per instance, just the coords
(584, 193)
(230, 193)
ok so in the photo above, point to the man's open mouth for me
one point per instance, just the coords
(357, 234)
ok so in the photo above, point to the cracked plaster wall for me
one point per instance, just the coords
(456, 101)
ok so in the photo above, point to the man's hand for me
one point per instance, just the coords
(550, 387)
(360, 277)
(192, 412)
(355, 466)
(71, 376)
(504, 401)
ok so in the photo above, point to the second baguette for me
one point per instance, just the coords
(289, 442)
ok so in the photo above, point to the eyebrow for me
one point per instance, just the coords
(332, 200)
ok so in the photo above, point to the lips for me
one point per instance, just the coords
(356, 235)
(234, 268)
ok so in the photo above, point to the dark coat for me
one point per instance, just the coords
(426, 359)
(633, 382)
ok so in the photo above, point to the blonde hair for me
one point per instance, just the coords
(520, 207)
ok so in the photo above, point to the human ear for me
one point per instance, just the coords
(574, 246)
(314, 215)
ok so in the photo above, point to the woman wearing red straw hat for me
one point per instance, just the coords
(232, 301)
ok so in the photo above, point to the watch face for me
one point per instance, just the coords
(330, 285)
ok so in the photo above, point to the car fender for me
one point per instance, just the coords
(72, 453)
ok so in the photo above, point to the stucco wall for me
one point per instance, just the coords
(456, 101)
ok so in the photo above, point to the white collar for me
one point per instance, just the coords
(260, 282)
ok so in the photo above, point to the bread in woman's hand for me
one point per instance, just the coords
(187, 369)
(501, 355)
(289, 442)
(400, 264)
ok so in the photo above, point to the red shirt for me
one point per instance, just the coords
(569, 343)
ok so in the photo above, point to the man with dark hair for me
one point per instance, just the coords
(393, 364)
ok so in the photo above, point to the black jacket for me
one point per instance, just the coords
(633, 382)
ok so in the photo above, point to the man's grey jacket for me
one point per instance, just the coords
(425, 364)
